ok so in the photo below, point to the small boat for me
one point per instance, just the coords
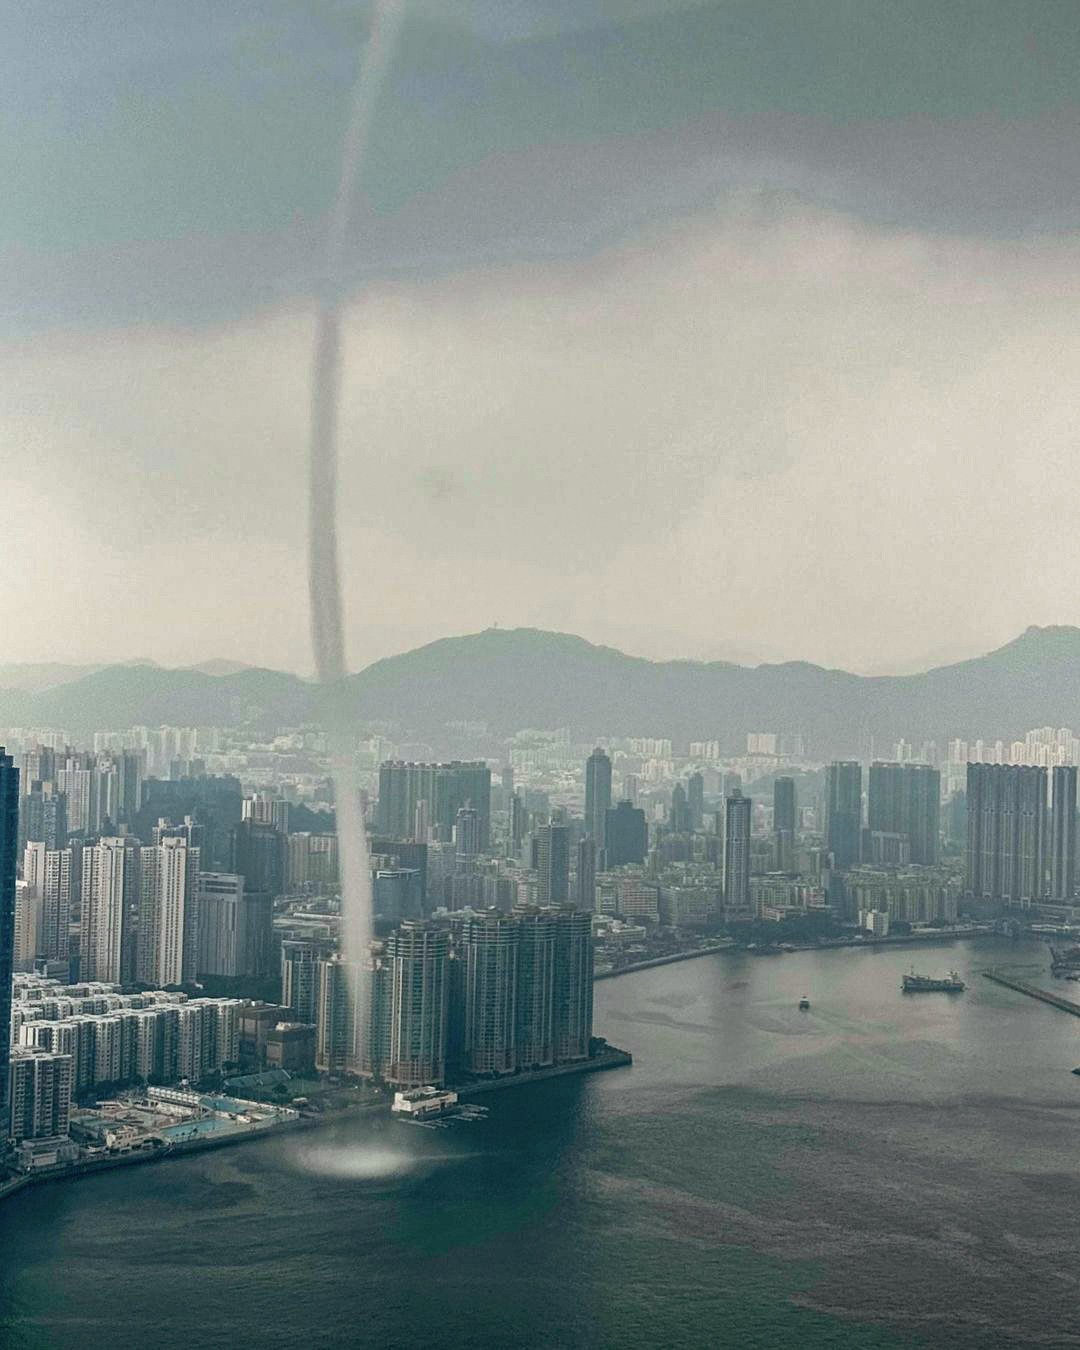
(804, 1004)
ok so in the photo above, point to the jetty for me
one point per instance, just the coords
(1032, 991)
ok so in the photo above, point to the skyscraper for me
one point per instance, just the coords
(398, 893)
(312, 860)
(76, 781)
(60, 894)
(169, 913)
(843, 813)
(416, 990)
(586, 873)
(259, 853)
(784, 823)
(467, 831)
(51, 878)
(680, 810)
(737, 851)
(9, 838)
(43, 816)
(922, 810)
(553, 864)
(235, 927)
(340, 1014)
(1006, 832)
(1063, 833)
(572, 1010)
(695, 796)
(516, 822)
(445, 787)
(627, 835)
(27, 926)
(905, 800)
(597, 794)
(487, 952)
(534, 1033)
(109, 909)
(300, 960)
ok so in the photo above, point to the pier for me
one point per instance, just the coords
(1032, 991)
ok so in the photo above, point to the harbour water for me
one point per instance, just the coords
(881, 1170)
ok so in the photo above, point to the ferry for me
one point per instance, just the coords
(926, 984)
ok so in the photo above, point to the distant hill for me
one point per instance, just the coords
(34, 676)
(145, 695)
(220, 665)
(515, 678)
(525, 677)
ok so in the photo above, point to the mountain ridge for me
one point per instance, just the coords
(509, 679)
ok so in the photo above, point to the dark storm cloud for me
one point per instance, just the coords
(686, 325)
(174, 163)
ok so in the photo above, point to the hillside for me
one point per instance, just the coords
(35, 676)
(510, 679)
(145, 695)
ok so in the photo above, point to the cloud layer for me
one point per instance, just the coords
(767, 428)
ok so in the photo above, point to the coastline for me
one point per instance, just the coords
(609, 1057)
(654, 961)
(924, 938)
(87, 1167)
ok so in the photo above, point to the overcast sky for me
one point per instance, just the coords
(741, 328)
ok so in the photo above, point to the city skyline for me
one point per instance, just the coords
(541, 669)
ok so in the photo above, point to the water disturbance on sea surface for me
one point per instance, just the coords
(882, 1170)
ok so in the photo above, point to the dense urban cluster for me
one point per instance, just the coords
(171, 907)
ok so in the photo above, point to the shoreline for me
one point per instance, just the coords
(930, 937)
(89, 1167)
(651, 962)
(610, 1057)
(924, 938)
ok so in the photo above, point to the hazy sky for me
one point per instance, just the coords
(695, 328)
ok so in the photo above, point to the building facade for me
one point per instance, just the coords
(904, 800)
(737, 852)
(784, 823)
(843, 813)
(597, 794)
(111, 886)
(1006, 839)
(445, 788)
(1063, 833)
(627, 835)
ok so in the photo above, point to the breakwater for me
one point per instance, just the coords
(652, 961)
(1032, 991)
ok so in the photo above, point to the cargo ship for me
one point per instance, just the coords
(926, 984)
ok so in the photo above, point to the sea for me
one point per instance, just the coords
(880, 1170)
